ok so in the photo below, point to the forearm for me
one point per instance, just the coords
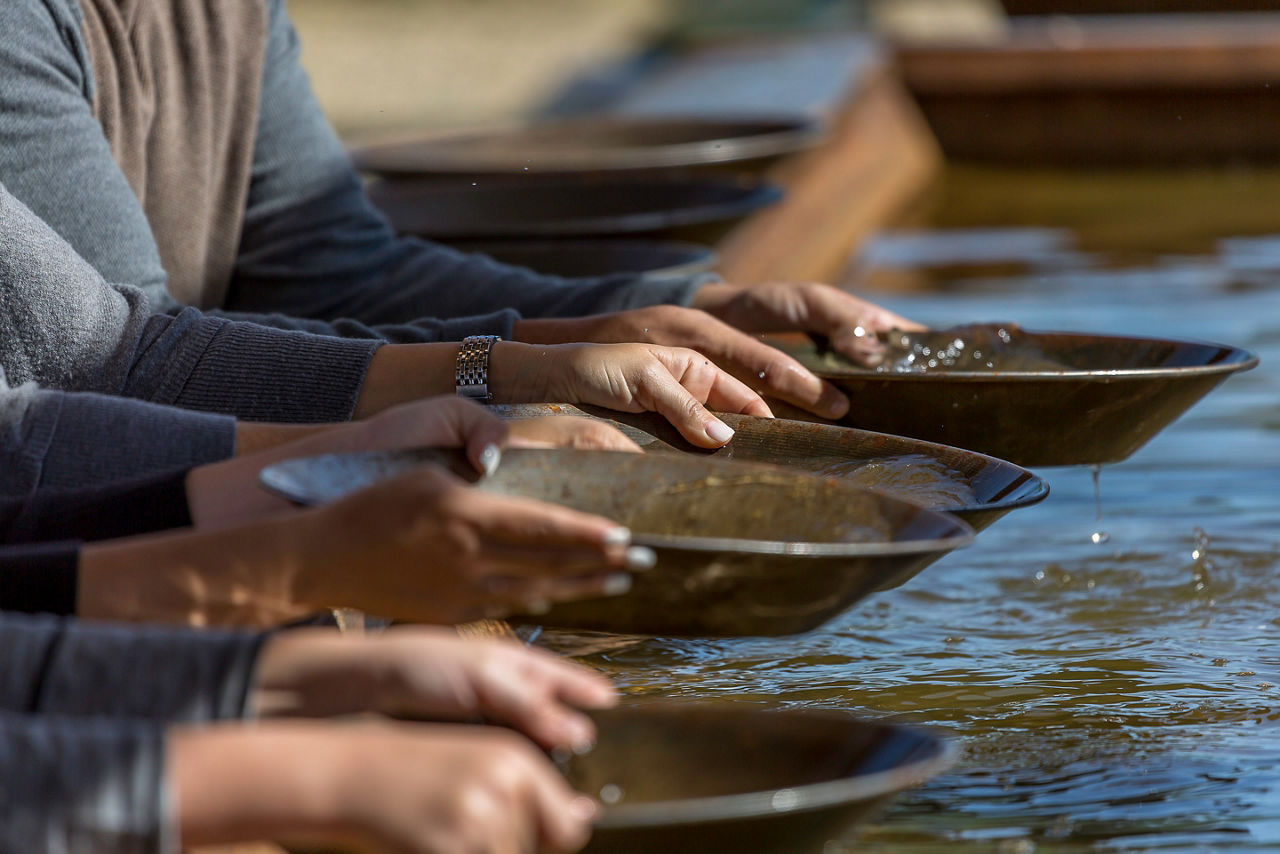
(253, 437)
(245, 577)
(277, 781)
(518, 373)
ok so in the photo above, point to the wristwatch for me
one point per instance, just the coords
(472, 374)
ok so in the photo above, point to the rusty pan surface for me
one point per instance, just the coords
(743, 549)
(1045, 399)
(976, 487)
(587, 258)
(703, 777)
(698, 209)
(594, 147)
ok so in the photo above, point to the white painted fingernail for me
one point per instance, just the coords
(616, 585)
(489, 459)
(640, 558)
(617, 536)
(537, 607)
(719, 431)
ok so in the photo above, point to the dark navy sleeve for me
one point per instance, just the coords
(314, 247)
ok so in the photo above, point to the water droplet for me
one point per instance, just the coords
(610, 793)
(1100, 537)
(958, 344)
(1200, 544)
(1004, 335)
(762, 375)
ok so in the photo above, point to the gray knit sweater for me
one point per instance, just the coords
(313, 254)
(82, 715)
(62, 326)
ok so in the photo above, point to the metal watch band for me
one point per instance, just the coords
(472, 373)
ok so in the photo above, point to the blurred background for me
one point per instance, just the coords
(385, 65)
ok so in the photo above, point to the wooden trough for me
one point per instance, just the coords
(1109, 91)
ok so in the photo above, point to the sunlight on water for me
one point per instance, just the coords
(1107, 696)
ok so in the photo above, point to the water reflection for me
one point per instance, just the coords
(1117, 696)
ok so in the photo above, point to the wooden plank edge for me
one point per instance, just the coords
(879, 158)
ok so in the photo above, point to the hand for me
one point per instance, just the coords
(677, 383)
(227, 492)
(375, 787)
(564, 431)
(760, 366)
(426, 547)
(429, 674)
(851, 324)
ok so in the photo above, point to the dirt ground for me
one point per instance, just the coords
(380, 65)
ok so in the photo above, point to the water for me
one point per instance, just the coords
(1117, 696)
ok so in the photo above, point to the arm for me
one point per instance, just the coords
(55, 440)
(78, 785)
(314, 247)
(53, 154)
(63, 326)
(70, 669)
(383, 787)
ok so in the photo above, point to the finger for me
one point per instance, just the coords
(858, 345)
(535, 596)
(729, 394)
(663, 394)
(779, 375)
(576, 685)
(570, 432)
(528, 693)
(516, 521)
(563, 816)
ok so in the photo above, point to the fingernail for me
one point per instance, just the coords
(489, 459)
(583, 809)
(617, 536)
(640, 558)
(719, 431)
(579, 735)
(537, 607)
(616, 585)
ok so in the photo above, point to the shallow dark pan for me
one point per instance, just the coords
(1111, 396)
(697, 209)
(743, 549)
(702, 778)
(580, 258)
(859, 457)
(598, 146)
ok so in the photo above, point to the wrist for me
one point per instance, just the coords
(235, 784)
(321, 673)
(521, 373)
